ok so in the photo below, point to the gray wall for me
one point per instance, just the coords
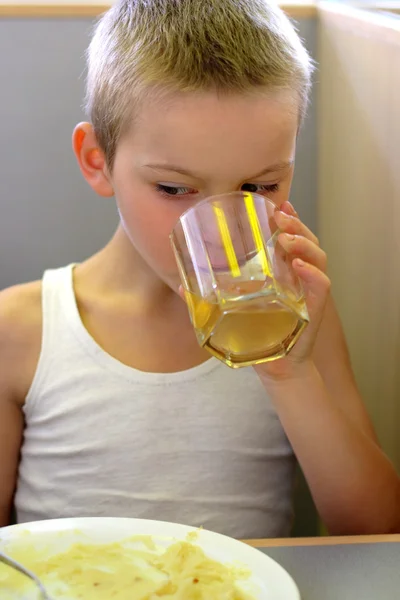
(48, 215)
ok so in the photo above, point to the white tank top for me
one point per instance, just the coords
(202, 447)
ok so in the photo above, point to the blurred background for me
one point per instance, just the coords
(347, 183)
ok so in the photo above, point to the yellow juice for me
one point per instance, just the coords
(242, 333)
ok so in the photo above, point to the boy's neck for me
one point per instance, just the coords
(120, 269)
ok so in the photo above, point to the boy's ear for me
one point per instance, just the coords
(91, 160)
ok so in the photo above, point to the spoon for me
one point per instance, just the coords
(7, 560)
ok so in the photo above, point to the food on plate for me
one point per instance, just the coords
(135, 569)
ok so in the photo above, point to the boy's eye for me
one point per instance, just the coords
(255, 188)
(258, 188)
(172, 190)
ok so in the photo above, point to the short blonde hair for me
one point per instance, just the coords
(188, 45)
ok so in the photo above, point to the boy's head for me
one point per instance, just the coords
(190, 98)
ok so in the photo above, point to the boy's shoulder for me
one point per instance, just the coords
(20, 308)
(20, 336)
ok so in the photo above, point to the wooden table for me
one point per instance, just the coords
(339, 568)
(324, 541)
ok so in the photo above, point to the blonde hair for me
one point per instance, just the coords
(188, 45)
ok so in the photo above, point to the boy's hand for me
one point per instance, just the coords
(309, 264)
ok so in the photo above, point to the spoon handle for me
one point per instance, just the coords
(10, 562)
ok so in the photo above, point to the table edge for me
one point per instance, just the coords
(324, 541)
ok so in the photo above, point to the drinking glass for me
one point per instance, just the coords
(245, 302)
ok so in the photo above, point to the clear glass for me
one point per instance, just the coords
(245, 302)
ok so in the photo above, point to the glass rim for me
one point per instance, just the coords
(207, 200)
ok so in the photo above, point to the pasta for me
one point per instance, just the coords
(133, 570)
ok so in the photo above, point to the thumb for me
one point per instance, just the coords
(316, 286)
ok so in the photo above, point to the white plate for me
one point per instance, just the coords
(269, 581)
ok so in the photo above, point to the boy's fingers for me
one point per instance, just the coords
(288, 208)
(291, 224)
(316, 285)
(301, 247)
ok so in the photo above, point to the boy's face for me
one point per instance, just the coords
(192, 146)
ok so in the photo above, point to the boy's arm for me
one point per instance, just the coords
(20, 336)
(332, 360)
(354, 485)
(11, 429)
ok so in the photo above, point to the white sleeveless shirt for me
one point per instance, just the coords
(202, 447)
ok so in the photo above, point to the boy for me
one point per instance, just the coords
(108, 407)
